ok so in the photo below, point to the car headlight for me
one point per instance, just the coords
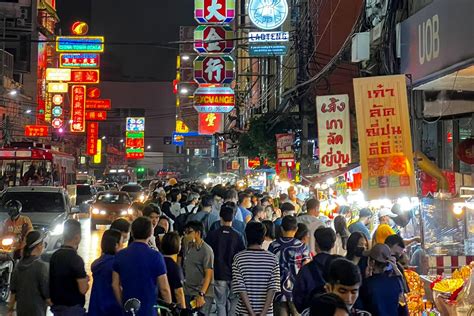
(130, 211)
(57, 230)
(7, 241)
(103, 212)
(95, 211)
(124, 212)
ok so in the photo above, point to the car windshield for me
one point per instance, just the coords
(32, 202)
(83, 190)
(131, 188)
(113, 198)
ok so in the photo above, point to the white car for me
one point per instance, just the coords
(47, 207)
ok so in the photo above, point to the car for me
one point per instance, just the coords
(47, 207)
(108, 206)
(136, 192)
(112, 186)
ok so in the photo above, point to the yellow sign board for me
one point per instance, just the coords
(98, 157)
(181, 127)
(383, 125)
(57, 87)
(58, 74)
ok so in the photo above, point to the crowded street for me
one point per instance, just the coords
(237, 158)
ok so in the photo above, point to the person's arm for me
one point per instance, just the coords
(268, 302)
(245, 299)
(165, 291)
(208, 275)
(116, 287)
(180, 299)
(409, 241)
(11, 304)
(83, 285)
(248, 218)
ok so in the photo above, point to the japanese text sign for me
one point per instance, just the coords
(213, 39)
(79, 60)
(214, 11)
(98, 104)
(210, 123)
(78, 109)
(36, 130)
(332, 112)
(80, 44)
(214, 69)
(383, 123)
(92, 136)
(85, 76)
(96, 115)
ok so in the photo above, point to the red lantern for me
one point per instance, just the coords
(465, 151)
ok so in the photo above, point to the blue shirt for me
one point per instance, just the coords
(102, 301)
(139, 266)
(242, 213)
(360, 227)
(380, 294)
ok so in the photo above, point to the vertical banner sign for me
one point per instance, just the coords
(135, 138)
(332, 112)
(92, 136)
(285, 155)
(383, 123)
(78, 109)
(210, 123)
(98, 157)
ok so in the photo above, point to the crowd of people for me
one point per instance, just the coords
(223, 252)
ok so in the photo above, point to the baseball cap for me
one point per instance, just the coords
(33, 238)
(365, 212)
(380, 253)
(386, 212)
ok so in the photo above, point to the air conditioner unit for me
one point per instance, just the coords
(360, 47)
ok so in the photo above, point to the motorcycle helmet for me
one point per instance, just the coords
(13, 208)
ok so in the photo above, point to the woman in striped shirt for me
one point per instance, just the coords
(255, 274)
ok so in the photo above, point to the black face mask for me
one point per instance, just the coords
(359, 252)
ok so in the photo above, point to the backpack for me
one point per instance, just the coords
(182, 219)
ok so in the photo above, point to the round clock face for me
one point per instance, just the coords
(268, 14)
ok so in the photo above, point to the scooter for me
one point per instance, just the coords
(7, 263)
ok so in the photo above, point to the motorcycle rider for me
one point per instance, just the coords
(16, 225)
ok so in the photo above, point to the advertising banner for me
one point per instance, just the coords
(332, 112)
(36, 130)
(92, 136)
(210, 123)
(79, 60)
(96, 115)
(78, 109)
(383, 124)
(214, 11)
(214, 100)
(98, 104)
(285, 146)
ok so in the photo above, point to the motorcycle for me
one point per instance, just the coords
(7, 263)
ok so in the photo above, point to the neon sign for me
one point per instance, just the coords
(79, 60)
(80, 44)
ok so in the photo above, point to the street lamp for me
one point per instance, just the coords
(121, 140)
(183, 91)
(185, 57)
(103, 137)
(13, 93)
(148, 147)
(28, 111)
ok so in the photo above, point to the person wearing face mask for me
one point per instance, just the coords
(356, 245)
(397, 249)
(365, 216)
(243, 213)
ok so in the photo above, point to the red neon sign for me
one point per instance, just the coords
(79, 60)
(98, 104)
(135, 155)
(210, 123)
(93, 93)
(85, 76)
(36, 130)
(96, 115)
(135, 142)
(78, 109)
(92, 136)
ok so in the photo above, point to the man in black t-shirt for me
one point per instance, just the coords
(68, 280)
(226, 243)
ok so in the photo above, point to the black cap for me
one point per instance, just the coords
(365, 212)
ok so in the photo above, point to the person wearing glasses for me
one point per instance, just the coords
(198, 268)
(30, 280)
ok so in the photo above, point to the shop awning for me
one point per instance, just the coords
(324, 176)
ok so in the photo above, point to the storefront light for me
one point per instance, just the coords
(330, 181)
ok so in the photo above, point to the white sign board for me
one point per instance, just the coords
(268, 37)
(58, 74)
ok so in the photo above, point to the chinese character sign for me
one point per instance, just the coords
(214, 39)
(36, 130)
(210, 123)
(332, 113)
(285, 146)
(92, 136)
(214, 69)
(78, 109)
(96, 115)
(214, 11)
(383, 124)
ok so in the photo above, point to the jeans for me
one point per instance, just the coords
(206, 309)
(284, 309)
(76, 310)
(226, 300)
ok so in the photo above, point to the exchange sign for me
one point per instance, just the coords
(78, 109)
(80, 44)
(214, 11)
(79, 60)
(213, 39)
(214, 100)
(85, 76)
(214, 69)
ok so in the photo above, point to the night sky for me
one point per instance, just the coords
(123, 21)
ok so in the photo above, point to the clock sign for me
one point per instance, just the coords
(268, 14)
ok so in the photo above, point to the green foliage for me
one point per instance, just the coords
(259, 141)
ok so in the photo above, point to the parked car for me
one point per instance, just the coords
(47, 207)
(108, 206)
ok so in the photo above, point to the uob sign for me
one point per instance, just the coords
(428, 40)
